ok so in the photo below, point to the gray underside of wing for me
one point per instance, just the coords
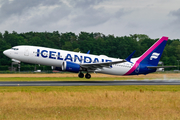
(94, 66)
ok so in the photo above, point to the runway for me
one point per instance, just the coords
(89, 83)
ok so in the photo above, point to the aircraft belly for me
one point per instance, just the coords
(41, 61)
(114, 70)
(49, 62)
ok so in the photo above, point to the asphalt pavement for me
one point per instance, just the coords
(88, 83)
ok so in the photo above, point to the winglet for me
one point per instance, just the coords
(88, 52)
(128, 59)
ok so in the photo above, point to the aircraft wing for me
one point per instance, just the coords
(94, 66)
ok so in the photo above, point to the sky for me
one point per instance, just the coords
(155, 18)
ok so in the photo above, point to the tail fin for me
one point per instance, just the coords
(153, 54)
(150, 58)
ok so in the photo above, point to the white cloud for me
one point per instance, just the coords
(119, 17)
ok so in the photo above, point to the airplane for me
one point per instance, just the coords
(77, 62)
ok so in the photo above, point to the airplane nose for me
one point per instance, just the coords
(5, 52)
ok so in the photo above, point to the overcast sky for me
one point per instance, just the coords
(154, 18)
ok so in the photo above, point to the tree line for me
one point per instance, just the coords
(97, 43)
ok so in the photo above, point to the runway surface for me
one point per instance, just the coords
(89, 83)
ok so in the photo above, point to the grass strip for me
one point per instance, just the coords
(140, 88)
(82, 102)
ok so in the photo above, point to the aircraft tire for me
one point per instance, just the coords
(81, 75)
(88, 76)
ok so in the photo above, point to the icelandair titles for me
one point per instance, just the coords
(56, 55)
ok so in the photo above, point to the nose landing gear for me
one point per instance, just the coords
(87, 76)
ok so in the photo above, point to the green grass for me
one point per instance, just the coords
(140, 88)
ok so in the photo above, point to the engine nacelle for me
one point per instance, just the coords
(70, 66)
(56, 68)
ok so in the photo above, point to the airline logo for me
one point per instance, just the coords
(154, 56)
(72, 58)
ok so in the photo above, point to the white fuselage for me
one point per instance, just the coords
(55, 57)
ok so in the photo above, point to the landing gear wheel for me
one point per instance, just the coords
(81, 75)
(88, 76)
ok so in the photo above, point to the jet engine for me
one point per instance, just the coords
(70, 66)
(56, 68)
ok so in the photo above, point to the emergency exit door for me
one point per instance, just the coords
(26, 52)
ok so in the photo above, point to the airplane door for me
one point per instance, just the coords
(26, 52)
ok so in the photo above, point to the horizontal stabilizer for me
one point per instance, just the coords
(155, 67)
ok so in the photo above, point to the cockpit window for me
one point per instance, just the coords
(14, 48)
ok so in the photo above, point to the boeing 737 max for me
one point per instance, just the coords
(79, 62)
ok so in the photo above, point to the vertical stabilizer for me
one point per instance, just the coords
(150, 58)
(153, 54)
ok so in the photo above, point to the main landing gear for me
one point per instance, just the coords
(81, 75)
(87, 76)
